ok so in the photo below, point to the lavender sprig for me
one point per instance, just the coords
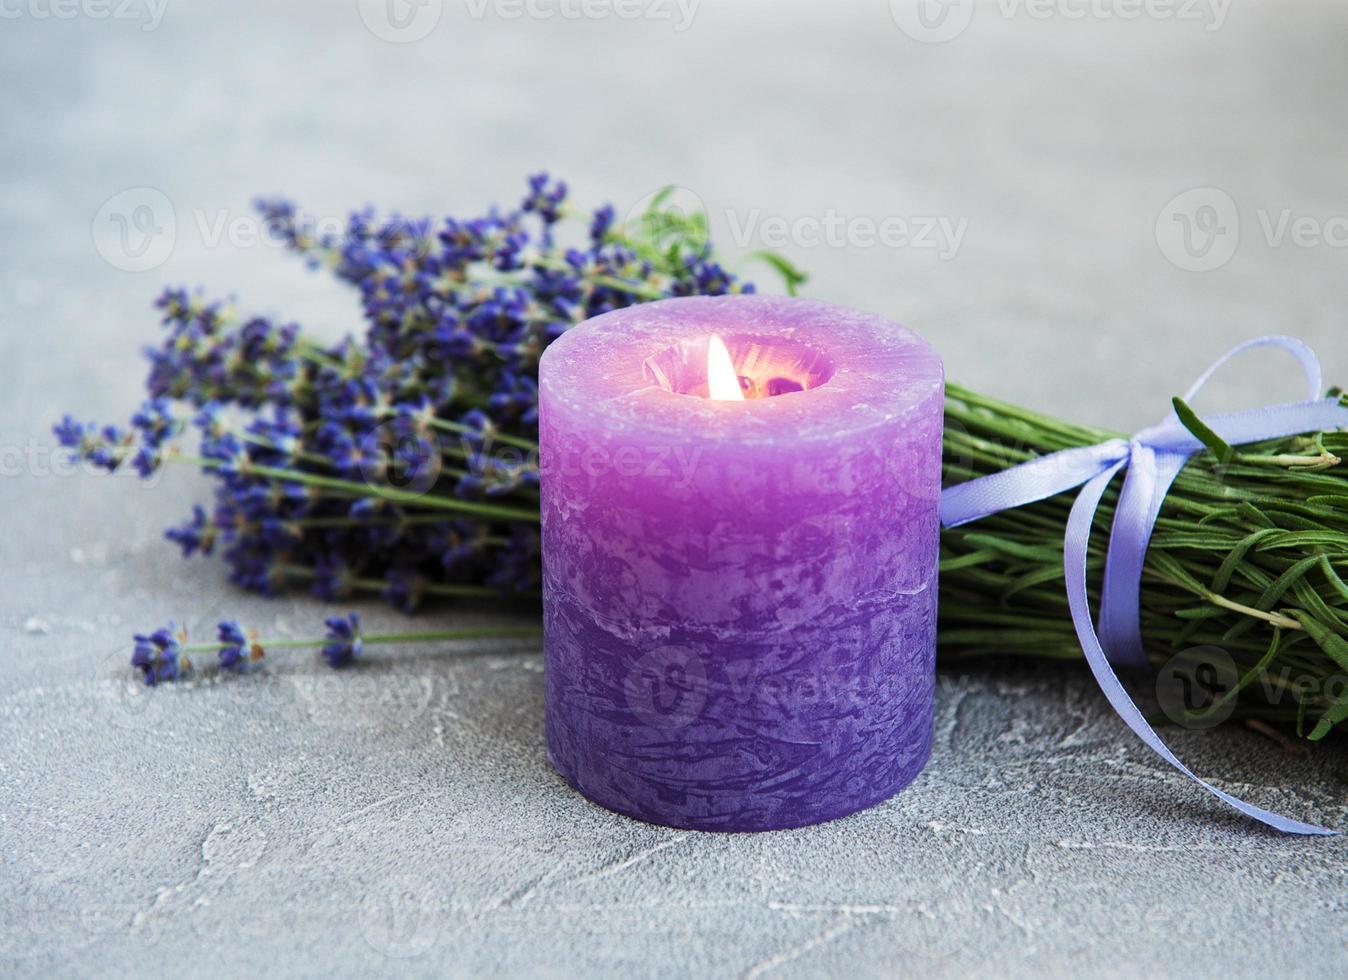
(161, 656)
(403, 463)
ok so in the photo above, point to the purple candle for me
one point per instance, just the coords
(739, 559)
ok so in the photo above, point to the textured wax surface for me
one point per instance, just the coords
(740, 597)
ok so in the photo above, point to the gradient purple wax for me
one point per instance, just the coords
(739, 597)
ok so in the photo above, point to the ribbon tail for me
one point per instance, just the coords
(1074, 566)
(1145, 487)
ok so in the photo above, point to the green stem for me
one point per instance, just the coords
(644, 290)
(430, 588)
(505, 437)
(266, 443)
(392, 522)
(1322, 461)
(312, 352)
(428, 636)
(492, 511)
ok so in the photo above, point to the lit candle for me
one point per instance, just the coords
(740, 542)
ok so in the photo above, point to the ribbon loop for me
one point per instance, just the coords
(1152, 459)
(1310, 364)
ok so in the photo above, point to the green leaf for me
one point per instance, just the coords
(1049, 553)
(1306, 540)
(1190, 420)
(792, 276)
(660, 198)
(1236, 556)
(968, 560)
(1336, 713)
(1255, 515)
(1331, 576)
(1284, 582)
(1329, 641)
(1337, 649)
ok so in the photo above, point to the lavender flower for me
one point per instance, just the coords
(154, 422)
(197, 534)
(159, 657)
(238, 651)
(343, 638)
(105, 448)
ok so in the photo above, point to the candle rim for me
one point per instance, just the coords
(594, 372)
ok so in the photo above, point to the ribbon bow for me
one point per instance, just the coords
(1152, 458)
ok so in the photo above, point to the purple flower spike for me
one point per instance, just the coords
(343, 637)
(159, 657)
(239, 651)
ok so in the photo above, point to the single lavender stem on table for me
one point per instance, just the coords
(163, 655)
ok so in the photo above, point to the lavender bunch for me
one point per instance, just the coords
(402, 463)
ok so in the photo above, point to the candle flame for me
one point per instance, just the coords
(723, 384)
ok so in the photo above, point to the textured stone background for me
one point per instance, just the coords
(402, 819)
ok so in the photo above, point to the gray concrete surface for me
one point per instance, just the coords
(402, 820)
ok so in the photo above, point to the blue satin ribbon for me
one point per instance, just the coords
(1152, 459)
